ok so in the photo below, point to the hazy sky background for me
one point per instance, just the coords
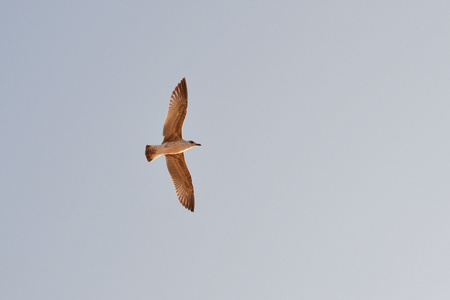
(324, 170)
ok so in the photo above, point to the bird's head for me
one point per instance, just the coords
(193, 144)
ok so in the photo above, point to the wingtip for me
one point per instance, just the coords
(189, 208)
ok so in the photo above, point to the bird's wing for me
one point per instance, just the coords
(181, 179)
(177, 112)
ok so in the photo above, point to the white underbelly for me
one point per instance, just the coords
(172, 148)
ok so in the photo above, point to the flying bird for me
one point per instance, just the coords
(173, 146)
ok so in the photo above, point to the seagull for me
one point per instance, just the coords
(174, 146)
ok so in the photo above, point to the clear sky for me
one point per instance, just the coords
(324, 168)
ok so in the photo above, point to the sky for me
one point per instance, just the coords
(323, 171)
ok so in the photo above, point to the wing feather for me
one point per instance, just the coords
(173, 124)
(181, 179)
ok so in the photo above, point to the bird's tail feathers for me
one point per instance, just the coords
(150, 153)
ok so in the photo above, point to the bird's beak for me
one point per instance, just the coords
(198, 144)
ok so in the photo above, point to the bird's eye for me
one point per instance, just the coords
(191, 142)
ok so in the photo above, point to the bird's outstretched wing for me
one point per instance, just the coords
(181, 179)
(173, 125)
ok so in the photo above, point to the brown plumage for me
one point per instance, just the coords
(173, 146)
(173, 126)
(182, 180)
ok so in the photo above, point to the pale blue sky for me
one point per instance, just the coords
(324, 171)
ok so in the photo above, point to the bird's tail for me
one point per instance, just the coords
(150, 153)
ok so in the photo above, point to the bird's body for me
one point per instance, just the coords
(174, 145)
(167, 148)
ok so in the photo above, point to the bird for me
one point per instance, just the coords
(174, 146)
